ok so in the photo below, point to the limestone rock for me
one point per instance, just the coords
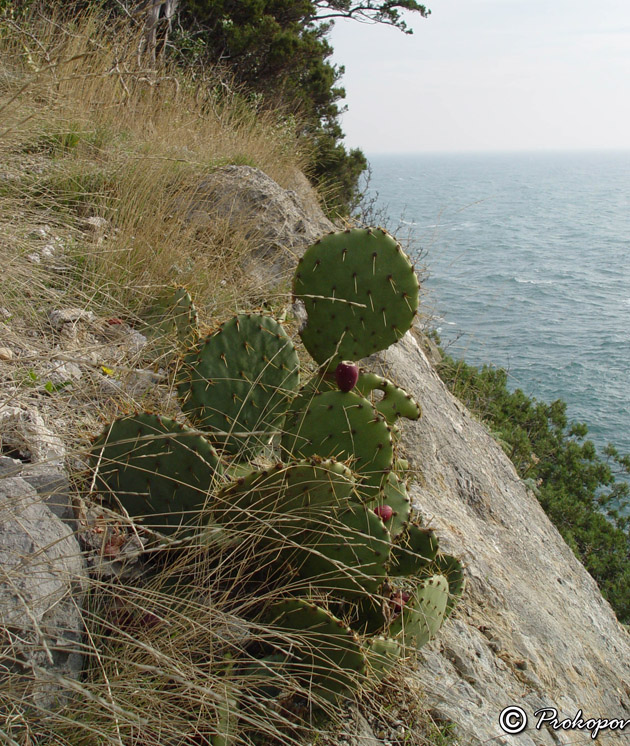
(24, 431)
(532, 629)
(281, 222)
(41, 588)
(60, 317)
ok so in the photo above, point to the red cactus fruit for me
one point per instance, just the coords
(384, 512)
(346, 375)
(398, 600)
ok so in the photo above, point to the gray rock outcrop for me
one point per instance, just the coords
(532, 629)
(281, 222)
(42, 580)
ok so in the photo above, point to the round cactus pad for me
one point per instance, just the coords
(423, 616)
(285, 499)
(238, 381)
(360, 292)
(159, 470)
(342, 425)
(349, 556)
(328, 657)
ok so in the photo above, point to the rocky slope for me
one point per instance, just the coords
(533, 629)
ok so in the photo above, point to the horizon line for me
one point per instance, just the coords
(515, 151)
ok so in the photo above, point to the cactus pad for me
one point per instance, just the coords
(396, 402)
(173, 314)
(345, 426)
(422, 617)
(414, 551)
(238, 381)
(159, 470)
(288, 499)
(382, 655)
(349, 555)
(395, 495)
(360, 293)
(327, 656)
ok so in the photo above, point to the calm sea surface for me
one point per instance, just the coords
(528, 260)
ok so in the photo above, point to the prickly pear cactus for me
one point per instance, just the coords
(348, 556)
(422, 616)
(360, 293)
(342, 425)
(285, 500)
(334, 519)
(396, 402)
(395, 497)
(382, 655)
(172, 315)
(237, 383)
(414, 550)
(160, 471)
(327, 655)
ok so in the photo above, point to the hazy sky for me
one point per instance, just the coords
(490, 75)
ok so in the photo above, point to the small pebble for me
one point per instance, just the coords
(6, 353)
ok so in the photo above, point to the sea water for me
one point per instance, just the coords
(528, 268)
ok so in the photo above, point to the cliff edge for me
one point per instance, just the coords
(532, 629)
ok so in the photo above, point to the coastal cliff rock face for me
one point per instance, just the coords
(532, 628)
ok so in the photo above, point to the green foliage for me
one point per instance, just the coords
(578, 489)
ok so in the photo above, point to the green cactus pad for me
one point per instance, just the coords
(367, 616)
(327, 656)
(360, 293)
(396, 402)
(415, 549)
(423, 615)
(173, 315)
(264, 676)
(286, 499)
(238, 382)
(395, 495)
(453, 571)
(159, 470)
(349, 555)
(382, 655)
(345, 426)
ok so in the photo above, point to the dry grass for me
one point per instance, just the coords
(87, 129)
